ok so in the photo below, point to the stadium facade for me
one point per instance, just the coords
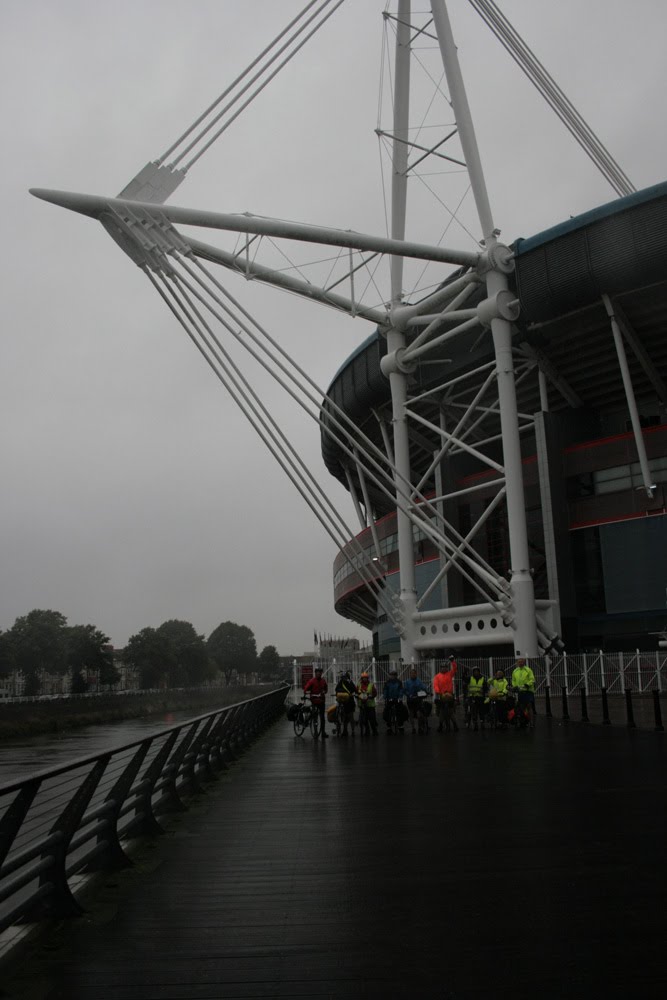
(590, 351)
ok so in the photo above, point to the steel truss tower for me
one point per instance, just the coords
(144, 227)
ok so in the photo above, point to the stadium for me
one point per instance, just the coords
(590, 355)
(502, 434)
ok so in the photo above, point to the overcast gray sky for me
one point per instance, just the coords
(132, 491)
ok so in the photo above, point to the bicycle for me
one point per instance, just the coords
(304, 716)
(393, 716)
(497, 712)
(424, 712)
(315, 721)
(339, 718)
(522, 712)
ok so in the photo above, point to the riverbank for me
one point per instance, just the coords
(18, 719)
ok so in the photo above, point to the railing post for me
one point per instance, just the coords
(547, 687)
(114, 856)
(584, 706)
(149, 825)
(190, 759)
(58, 900)
(606, 721)
(566, 711)
(657, 712)
(629, 710)
(173, 801)
(214, 761)
(14, 816)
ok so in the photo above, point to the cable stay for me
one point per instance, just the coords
(156, 181)
(541, 79)
(159, 239)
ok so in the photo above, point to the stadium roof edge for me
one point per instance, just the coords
(525, 245)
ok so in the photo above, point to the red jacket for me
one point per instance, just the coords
(443, 683)
(316, 687)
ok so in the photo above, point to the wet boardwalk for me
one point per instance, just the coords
(476, 865)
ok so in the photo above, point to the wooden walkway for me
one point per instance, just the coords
(464, 866)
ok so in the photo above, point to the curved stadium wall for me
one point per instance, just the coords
(610, 538)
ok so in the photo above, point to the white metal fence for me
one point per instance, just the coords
(639, 672)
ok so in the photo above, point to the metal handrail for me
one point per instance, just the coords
(51, 829)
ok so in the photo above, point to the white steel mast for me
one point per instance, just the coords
(396, 343)
(521, 582)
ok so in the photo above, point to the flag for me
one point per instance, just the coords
(315, 638)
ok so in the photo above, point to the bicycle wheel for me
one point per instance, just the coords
(315, 724)
(299, 723)
(393, 720)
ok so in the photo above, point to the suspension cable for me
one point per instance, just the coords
(511, 40)
(258, 89)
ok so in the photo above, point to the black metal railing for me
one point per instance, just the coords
(78, 818)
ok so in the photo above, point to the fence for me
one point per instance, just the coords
(595, 679)
(69, 821)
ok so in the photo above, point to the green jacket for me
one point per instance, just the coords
(477, 686)
(523, 678)
(499, 684)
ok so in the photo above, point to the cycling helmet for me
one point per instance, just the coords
(363, 675)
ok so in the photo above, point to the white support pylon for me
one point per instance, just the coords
(498, 260)
(396, 338)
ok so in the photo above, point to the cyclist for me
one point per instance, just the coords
(523, 681)
(393, 691)
(477, 688)
(443, 688)
(366, 695)
(345, 692)
(412, 687)
(498, 689)
(317, 688)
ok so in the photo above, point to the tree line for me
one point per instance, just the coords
(171, 655)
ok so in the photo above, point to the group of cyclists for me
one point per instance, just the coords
(495, 701)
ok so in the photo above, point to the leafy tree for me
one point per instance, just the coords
(39, 641)
(152, 655)
(190, 656)
(7, 657)
(268, 662)
(88, 650)
(79, 683)
(232, 647)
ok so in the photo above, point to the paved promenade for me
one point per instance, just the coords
(452, 866)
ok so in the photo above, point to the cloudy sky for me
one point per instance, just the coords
(132, 491)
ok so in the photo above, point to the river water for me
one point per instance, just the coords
(21, 757)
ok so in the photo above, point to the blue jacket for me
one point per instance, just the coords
(412, 687)
(393, 690)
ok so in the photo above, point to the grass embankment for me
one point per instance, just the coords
(32, 718)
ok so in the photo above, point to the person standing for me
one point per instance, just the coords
(498, 687)
(317, 688)
(393, 691)
(477, 688)
(443, 688)
(412, 687)
(523, 681)
(345, 692)
(366, 695)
